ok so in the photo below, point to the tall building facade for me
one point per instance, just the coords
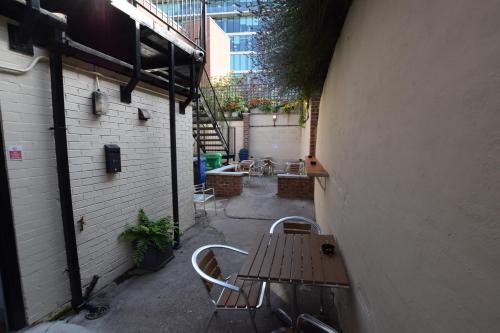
(237, 19)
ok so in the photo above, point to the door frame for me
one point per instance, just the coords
(9, 262)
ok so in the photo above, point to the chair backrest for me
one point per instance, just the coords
(295, 168)
(199, 187)
(296, 225)
(209, 265)
(245, 165)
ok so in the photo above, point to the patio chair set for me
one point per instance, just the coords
(293, 256)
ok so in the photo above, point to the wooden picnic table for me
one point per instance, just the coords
(295, 259)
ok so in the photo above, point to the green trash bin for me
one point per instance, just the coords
(213, 161)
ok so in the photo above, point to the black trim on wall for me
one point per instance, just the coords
(63, 175)
(9, 263)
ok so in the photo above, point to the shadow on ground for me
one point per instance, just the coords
(175, 300)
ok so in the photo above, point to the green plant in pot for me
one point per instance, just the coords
(152, 240)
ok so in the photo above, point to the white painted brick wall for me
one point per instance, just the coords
(106, 202)
(26, 115)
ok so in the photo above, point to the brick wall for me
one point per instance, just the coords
(26, 116)
(105, 202)
(300, 187)
(314, 115)
(246, 130)
(225, 186)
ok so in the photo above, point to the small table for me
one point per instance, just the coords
(294, 259)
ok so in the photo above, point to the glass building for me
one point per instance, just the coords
(235, 17)
(237, 20)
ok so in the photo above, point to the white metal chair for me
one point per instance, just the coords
(296, 225)
(245, 167)
(234, 295)
(303, 319)
(202, 195)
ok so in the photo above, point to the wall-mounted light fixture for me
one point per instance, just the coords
(275, 117)
(144, 114)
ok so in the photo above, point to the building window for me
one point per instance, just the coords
(242, 43)
(242, 62)
(238, 24)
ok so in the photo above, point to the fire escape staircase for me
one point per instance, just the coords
(211, 129)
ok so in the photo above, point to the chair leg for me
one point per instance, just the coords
(268, 295)
(294, 302)
(215, 206)
(214, 314)
(252, 319)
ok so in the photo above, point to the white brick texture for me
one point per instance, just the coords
(26, 116)
(106, 202)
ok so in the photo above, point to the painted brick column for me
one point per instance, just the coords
(314, 115)
(246, 130)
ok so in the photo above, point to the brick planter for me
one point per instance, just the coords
(225, 181)
(295, 186)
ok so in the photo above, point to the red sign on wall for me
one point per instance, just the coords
(15, 153)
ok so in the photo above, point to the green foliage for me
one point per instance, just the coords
(147, 233)
(296, 42)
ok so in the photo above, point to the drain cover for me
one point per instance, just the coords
(97, 312)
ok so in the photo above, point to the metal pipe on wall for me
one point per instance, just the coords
(173, 146)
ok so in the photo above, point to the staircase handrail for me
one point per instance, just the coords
(213, 117)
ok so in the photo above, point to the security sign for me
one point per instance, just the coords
(15, 153)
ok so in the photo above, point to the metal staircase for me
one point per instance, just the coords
(211, 130)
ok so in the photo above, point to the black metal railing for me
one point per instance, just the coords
(187, 17)
(213, 109)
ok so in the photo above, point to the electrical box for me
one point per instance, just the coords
(99, 103)
(113, 159)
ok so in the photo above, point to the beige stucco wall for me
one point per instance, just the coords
(281, 142)
(409, 131)
(218, 51)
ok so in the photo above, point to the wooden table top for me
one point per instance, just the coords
(294, 258)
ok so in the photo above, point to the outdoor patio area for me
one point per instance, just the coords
(174, 299)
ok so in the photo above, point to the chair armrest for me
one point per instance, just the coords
(315, 322)
(209, 190)
(194, 262)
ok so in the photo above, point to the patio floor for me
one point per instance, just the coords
(174, 299)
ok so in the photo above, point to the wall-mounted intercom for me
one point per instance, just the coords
(113, 159)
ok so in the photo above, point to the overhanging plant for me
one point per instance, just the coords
(148, 232)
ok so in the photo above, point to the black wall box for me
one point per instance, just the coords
(113, 159)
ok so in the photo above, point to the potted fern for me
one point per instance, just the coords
(152, 240)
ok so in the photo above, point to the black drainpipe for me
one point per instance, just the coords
(57, 87)
(173, 146)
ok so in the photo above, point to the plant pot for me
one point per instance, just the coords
(155, 259)
(234, 115)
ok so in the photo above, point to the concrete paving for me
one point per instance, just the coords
(175, 300)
